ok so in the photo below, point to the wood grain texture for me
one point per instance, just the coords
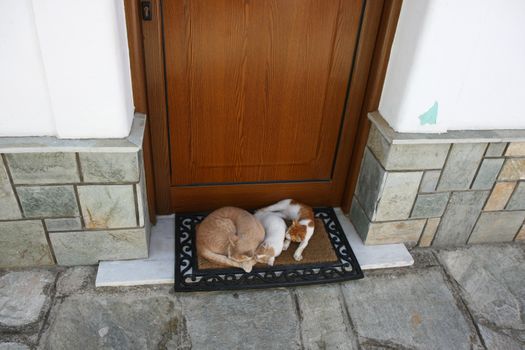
(382, 47)
(257, 89)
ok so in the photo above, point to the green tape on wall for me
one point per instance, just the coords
(430, 116)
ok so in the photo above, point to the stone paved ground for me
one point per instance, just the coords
(467, 298)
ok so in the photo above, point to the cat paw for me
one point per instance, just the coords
(298, 257)
(271, 261)
(247, 267)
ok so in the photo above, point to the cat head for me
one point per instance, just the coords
(265, 254)
(296, 231)
(236, 254)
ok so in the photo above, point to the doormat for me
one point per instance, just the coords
(327, 258)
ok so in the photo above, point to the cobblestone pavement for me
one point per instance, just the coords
(465, 298)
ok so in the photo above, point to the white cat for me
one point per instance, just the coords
(275, 231)
(303, 224)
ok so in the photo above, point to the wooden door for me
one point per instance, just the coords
(256, 93)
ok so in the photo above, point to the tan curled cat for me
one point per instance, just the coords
(229, 236)
(302, 227)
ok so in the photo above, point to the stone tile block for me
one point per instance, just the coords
(460, 217)
(43, 168)
(491, 282)
(429, 181)
(415, 310)
(398, 195)
(359, 219)
(23, 243)
(323, 320)
(48, 201)
(516, 149)
(270, 314)
(496, 149)
(487, 173)
(24, 297)
(417, 157)
(429, 232)
(89, 247)
(517, 201)
(394, 232)
(379, 146)
(500, 226)
(370, 183)
(65, 224)
(406, 156)
(430, 205)
(107, 206)
(461, 166)
(109, 167)
(131, 321)
(500, 196)
(513, 170)
(8, 205)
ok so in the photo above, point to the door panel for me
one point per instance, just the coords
(256, 94)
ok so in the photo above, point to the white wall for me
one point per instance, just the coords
(468, 56)
(69, 63)
(25, 107)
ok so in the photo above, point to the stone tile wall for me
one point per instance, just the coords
(449, 192)
(72, 208)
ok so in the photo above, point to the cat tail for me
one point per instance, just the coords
(279, 206)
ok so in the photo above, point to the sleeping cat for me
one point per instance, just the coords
(303, 224)
(229, 236)
(275, 230)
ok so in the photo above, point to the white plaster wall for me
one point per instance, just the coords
(70, 66)
(468, 56)
(25, 107)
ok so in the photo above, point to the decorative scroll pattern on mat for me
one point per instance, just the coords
(189, 278)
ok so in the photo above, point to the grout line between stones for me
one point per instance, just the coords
(299, 315)
(423, 232)
(48, 239)
(505, 150)
(52, 305)
(79, 167)
(347, 316)
(136, 205)
(11, 182)
(512, 194)
(477, 219)
(411, 212)
(451, 193)
(81, 213)
(478, 168)
(519, 230)
(443, 167)
(456, 292)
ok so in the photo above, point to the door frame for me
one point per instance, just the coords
(145, 41)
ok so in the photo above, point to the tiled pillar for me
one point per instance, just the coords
(446, 189)
(72, 202)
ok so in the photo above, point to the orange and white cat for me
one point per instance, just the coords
(302, 227)
(275, 231)
(229, 236)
